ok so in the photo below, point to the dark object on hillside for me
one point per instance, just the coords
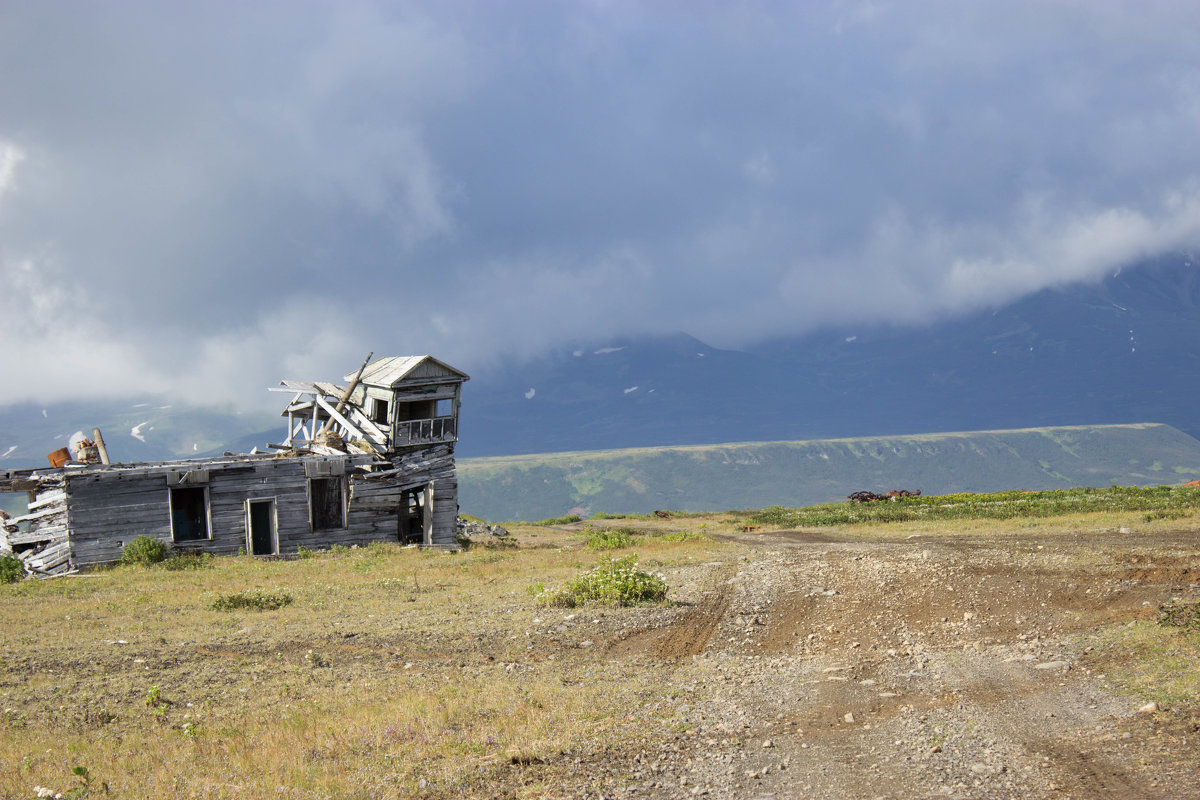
(663, 514)
(870, 497)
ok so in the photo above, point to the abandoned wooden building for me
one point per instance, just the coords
(366, 462)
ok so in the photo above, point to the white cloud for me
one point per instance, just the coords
(287, 191)
(10, 157)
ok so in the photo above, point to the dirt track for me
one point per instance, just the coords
(790, 664)
(919, 667)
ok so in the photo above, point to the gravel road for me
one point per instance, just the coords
(808, 666)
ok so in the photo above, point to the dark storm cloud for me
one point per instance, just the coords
(210, 196)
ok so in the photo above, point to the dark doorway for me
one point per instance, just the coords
(189, 514)
(261, 517)
(412, 516)
(328, 510)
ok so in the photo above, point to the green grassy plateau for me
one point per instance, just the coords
(759, 474)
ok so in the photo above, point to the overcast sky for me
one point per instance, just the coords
(207, 197)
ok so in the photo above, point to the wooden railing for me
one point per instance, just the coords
(426, 431)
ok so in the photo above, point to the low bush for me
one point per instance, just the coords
(252, 600)
(610, 538)
(143, 550)
(567, 520)
(611, 582)
(1184, 615)
(11, 569)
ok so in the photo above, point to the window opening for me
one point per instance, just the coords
(444, 408)
(421, 409)
(327, 506)
(189, 514)
(379, 410)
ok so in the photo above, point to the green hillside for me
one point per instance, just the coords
(759, 474)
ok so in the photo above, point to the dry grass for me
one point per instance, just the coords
(1161, 664)
(394, 671)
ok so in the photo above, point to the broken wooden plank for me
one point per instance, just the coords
(335, 413)
(46, 498)
(336, 416)
(42, 514)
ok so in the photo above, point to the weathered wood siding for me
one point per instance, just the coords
(107, 508)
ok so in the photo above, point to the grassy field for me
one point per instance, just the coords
(392, 672)
(759, 474)
(1155, 502)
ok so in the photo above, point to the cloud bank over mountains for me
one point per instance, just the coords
(204, 198)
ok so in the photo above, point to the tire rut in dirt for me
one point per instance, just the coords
(1093, 776)
(688, 635)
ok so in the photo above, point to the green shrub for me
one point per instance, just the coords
(252, 600)
(304, 552)
(610, 538)
(567, 520)
(1185, 615)
(143, 550)
(613, 583)
(606, 515)
(11, 569)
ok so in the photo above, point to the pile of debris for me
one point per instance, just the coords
(470, 528)
(892, 496)
(39, 537)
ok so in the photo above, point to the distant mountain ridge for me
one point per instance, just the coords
(759, 474)
(1126, 348)
(1123, 349)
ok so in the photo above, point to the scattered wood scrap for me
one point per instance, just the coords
(39, 537)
